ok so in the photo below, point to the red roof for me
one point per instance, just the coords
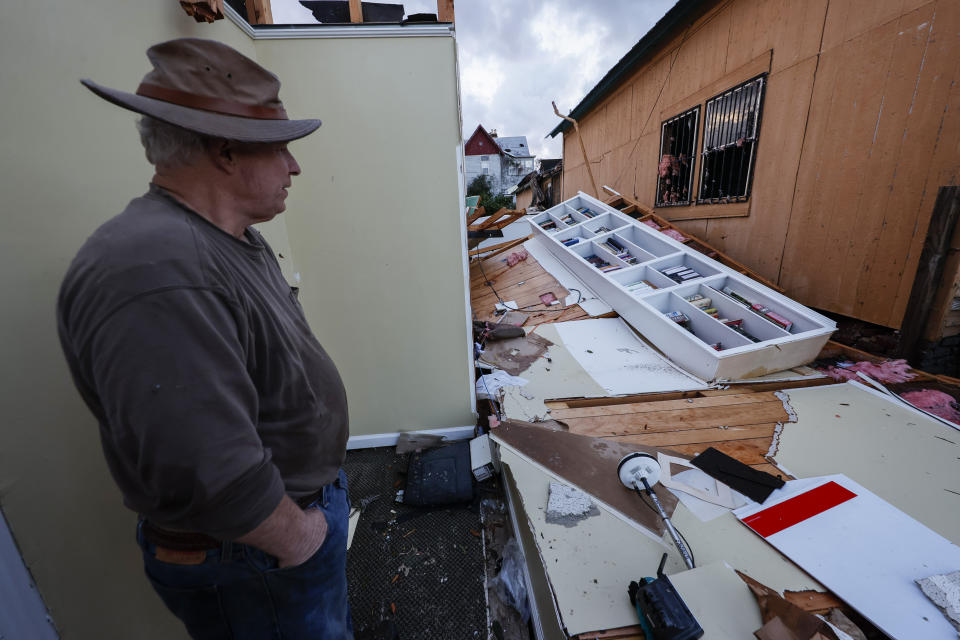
(481, 143)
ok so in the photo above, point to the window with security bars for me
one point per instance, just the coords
(731, 124)
(678, 141)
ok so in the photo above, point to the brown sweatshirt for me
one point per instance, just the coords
(213, 396)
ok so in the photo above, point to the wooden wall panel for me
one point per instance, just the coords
(933, 129)
(792, 29)
(759, 244)
(843, 119)
(838, 209)
(896, 171)
(849, 19)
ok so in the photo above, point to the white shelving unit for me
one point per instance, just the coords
(705, 346)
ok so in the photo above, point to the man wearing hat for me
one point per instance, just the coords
(222, 419)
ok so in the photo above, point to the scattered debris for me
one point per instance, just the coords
(568, 505)
(409, 442)
(518, 256)
(944, 591)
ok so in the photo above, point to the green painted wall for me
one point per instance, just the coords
(70, 161)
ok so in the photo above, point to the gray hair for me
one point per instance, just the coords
(168, 145)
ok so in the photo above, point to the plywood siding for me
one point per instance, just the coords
(859, 130)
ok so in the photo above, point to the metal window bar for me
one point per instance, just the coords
(678, 141)
(732, 124)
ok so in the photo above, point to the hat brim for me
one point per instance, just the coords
(208, 122)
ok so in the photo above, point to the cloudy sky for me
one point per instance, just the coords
(517, 55)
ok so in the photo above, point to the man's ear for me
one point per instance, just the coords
(223, 155)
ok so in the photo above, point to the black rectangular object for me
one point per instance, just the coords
(756, 485)
(440, 476)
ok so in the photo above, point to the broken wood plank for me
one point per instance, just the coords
(356, 11)
(708, 436)
(478, 213)
(814, 602)
(634, 424)
(445, 11)
(748, 452)
(259, 12)
(498, 248)
(663, 405)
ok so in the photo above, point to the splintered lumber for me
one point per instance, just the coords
(203, 10)
(745, 413)
(356, 11)
(478, 213)
(706, 436)
(498, 248)
(259, 12)
(662, 405)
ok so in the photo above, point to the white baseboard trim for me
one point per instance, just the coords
(390, 439)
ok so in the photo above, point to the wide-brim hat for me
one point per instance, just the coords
(210, 88)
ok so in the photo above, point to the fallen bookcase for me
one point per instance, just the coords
(713, 321)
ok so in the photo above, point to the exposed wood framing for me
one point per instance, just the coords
(943, 223)
(445, 11)
(259, 12)
(583, 149)
(497, 249)
(356, 11)
(203, 10)
(643, 212)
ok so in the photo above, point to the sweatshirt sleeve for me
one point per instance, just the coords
(170, 372)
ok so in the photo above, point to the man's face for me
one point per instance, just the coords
(265, 172)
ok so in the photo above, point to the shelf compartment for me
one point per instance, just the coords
(606, 222)
(753, 324)
(634, 275)
(580, 233)
(648, 241)
(546, 217)
(801, 322)
(588, 250)
(684, 261)
(630, 254)
(705, 328)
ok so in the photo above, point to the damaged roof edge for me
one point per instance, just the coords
(646, 45)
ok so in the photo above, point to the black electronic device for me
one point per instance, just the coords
(663, 613)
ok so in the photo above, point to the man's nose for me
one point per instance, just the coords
(292, 167)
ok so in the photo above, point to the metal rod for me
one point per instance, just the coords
(682, 548)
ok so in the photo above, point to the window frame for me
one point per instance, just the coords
(696, 110)
(754, 140)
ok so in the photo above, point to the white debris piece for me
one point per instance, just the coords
(568, 505)
(944, 591)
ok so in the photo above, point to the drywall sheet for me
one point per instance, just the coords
(589, 301)
(619, 361)
(590, 565)
(720, 601)
(862, 548)
(555, 375)
(589, 464)
(906, 458)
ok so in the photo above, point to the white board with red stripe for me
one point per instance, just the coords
(865, 550)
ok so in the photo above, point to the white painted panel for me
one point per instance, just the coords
(619, 361)
(22, 612)
(867, 552)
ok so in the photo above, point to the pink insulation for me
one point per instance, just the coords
(936, 402)
(516, 257)
(888, 372)
(676, 235)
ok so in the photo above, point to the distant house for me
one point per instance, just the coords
(541, 188)
(505, 160)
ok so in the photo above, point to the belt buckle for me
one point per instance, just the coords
(174, 556)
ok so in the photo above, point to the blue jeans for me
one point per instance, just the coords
(239, 592)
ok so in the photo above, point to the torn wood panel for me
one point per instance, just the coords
(588, 464)
(631, 424)
(664, 405)
(751, 452)
(707, 436)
